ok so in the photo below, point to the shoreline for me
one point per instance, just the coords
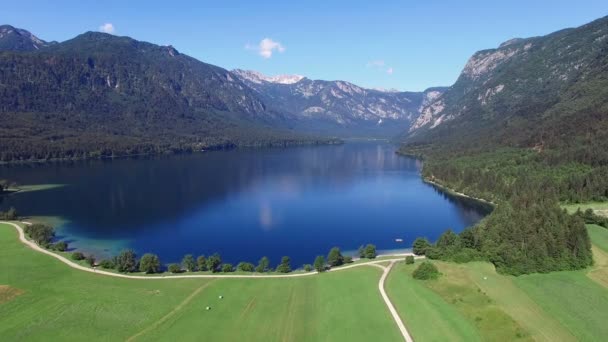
(158, 276)
(456, 193)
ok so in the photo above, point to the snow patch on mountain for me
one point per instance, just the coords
(259, 78)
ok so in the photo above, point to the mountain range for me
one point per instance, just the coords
(100, 94)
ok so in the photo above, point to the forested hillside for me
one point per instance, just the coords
(526, 123)
(103, 95)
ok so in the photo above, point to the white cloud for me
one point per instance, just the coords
(380, 65)
(375, 64)
(107, 28)
(266, 47)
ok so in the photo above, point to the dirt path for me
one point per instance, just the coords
(391, 307)
(72, 264)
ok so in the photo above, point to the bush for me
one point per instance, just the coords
(420, 246)
(9, 215)
(149, 263)
(348, 259)
(174, 268)
(245, 267)
(307, 267)
(370, 251)
(425, 271)
(60, 246)
(107, 264)
(77, 256)
(226, 268)
(409, 259)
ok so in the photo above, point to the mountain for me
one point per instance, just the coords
(338, 107)
(99, 94)
(525, 93)
(14, 39)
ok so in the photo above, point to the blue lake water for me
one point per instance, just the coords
(243, 204)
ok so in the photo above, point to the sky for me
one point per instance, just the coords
(406, 45)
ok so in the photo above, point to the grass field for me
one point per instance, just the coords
(42, 299)
(472, 302)
(599, 208)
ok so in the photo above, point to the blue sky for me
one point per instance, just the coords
(407, 44)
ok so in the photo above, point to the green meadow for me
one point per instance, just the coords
(42, 299)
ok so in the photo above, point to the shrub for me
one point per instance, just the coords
(149, 263)
(307, 267)
(226, 268)
(107, 264)
(348, 259)
(174, 268)
(425, 271)
(60, 246)
(245, 267)
(77, 256)
(409, 259)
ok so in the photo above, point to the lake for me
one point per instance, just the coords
(243, 204)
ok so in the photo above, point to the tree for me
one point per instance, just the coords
(420, 246)
(348, 259)
(335, 257)
(174, 268)
(11, 214)
(263, 265)
(409, 259)
(245, 267)
(126, 261)
(370, 251)
(149, 263)
(201, 263)
(319, 263)
(40, 233)
(425, 271)
(77, 256)
(213, 262)
(361, 252)
(307, 267)
(226, 268)
(60, 246)
(189, 263)
(447, 239)
(107, 264)
(284, 266)
(90, 259)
